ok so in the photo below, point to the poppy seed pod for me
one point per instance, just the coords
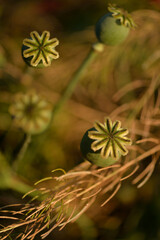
(31, 112)
(93, 157)
(113, 28)
(104, 144)
(39, 50)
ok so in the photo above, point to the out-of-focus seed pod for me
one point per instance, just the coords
(31, 112)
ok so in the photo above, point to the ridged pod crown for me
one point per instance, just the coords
(105, 143)
(113, 27)
(121, 14)
(39, 50)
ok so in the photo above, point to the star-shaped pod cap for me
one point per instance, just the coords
(110, 138)
(121, 14)
(104, 144)
(39, 50)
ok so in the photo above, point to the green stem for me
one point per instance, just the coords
(22, 151)
(77, 75)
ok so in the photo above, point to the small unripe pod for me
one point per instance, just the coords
(113, 27)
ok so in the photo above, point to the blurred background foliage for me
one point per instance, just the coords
(133, 213)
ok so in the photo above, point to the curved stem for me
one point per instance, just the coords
(77, 75)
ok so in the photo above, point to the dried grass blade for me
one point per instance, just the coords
(80, 212)
(154, 140)
(69, 218)
(92, 195)
(56, 225)
(130, 174)
(112, 195)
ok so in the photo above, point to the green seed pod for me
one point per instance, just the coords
(38, 50)
(113, 28)
(103, 145)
